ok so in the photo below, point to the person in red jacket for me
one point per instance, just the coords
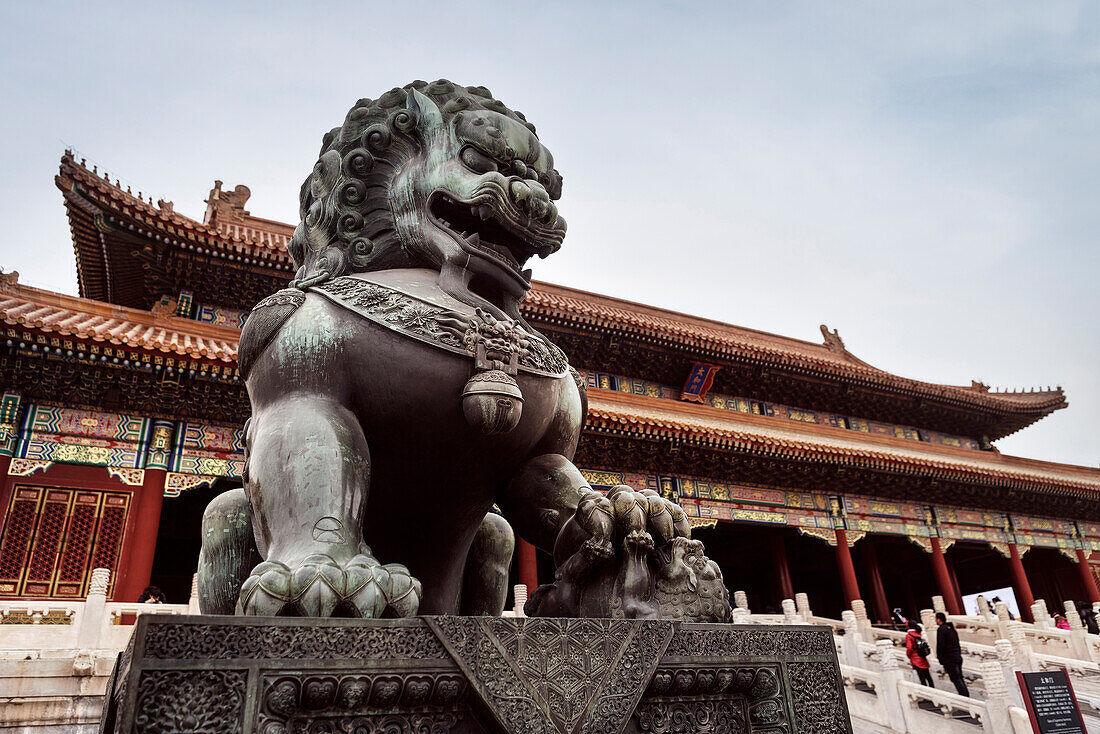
(913, 643)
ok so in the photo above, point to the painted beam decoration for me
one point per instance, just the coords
(635, 386)
(194, 454)
(707, 503)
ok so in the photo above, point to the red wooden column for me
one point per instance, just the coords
(1019, 583)
(847, 571)
(943, 579)
(879, 605)
(954, 580)
(136, 567)
(1087, 579)
(779, 557)
(528, 565)
(136, 563)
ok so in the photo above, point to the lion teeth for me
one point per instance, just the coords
(474, 239)
(484, 211)
(527, 273)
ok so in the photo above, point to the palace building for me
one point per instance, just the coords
(802, 467)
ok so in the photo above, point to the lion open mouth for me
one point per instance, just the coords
(480, 228)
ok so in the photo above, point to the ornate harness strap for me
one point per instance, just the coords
(494, 344)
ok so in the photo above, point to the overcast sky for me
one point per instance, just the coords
(922, 177)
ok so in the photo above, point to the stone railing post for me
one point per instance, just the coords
(802, 603)
(1077, 640)
(92, 618)
(1002, 617)
(860, 610)
(790, 615)
(938, 605)
(193, 600)
(985, 610)
(1041, 614)
(1006, 658)
(741, 601)
(928, 621)
(519, 592)
(1017, 635)
(997, 699)
(741, 616)
(889, 676)
(850, 642)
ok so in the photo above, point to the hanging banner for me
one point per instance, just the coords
(698, 382)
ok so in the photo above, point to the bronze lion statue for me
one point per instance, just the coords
(398, 396)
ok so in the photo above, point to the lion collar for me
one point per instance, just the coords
(494, 344)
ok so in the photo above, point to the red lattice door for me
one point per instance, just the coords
(53, 538)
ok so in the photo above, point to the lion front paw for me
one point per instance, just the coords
(598, 549)
(638, 541)
(320, 586)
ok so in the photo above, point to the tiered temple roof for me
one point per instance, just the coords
(133, 255)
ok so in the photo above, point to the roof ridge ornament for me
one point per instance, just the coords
(9, 281)
(833, 342)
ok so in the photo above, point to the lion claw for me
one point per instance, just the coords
(638, 541)
(320, 586)
(599, 548)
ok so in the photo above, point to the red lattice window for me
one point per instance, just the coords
(20, 521)
(108, 539)
(47, 542)
(53, 537)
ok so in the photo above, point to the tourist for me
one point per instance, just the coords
(917, 650)
(1061, 622)
(898, 619)
(949, 652)
(152, 595)
(1088, 618)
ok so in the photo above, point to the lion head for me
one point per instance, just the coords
(432, 176)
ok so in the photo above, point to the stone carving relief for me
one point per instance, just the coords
(560, 676)
(186, 701)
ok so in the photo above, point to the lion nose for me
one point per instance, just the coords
(532, 199)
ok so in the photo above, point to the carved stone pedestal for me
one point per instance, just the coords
(431, 675)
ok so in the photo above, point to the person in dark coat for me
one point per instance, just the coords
(1088, 618)
(949, 653)
(152, 595)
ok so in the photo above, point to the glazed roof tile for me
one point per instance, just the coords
(609, 410)
(81, 318)
(726, 341)
(257, 236)
(645, 416)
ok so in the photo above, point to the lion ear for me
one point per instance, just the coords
(429, 119)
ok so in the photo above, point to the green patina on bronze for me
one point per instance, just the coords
(398, 395)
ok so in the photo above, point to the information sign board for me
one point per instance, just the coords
(1051, 703)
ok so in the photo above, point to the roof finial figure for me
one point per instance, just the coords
(832, 339)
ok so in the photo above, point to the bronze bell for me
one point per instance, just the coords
(492, 402)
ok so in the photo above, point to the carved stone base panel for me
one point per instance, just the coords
(473, 675)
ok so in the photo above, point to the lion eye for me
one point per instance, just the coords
(477, 161)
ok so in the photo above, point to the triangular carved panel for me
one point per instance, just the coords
(556, 676)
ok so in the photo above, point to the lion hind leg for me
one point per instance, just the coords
(485, 579)
(228, 552)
